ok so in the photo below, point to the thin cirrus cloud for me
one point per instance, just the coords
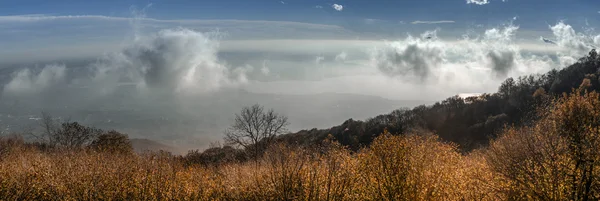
(42, 17)
(91, 35)
(433, 22)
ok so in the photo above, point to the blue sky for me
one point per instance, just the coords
(359, 19)
(532, 11)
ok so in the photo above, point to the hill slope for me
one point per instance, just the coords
(469, 122)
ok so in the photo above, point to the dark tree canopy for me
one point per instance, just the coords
(112, 142)
(470, 122)
(67, 134)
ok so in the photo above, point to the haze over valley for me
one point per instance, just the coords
(179, 78)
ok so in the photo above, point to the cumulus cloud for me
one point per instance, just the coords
(31, 81)
(502, 52)
(576, 43)
(433, 22)
(412, 57)
(337, 7)
(502, 62)
(179, 60)
(424, 57)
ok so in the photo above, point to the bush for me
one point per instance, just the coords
(112, 142)
(558, 157)
(414, 167)
(215, 156)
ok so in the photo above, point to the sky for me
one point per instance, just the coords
(172, 55)
(375, 19)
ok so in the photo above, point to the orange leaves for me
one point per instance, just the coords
(555, 158)
(411, 167)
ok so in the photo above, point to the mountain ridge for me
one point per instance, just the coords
(468, 122)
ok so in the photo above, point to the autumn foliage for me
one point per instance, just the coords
(557, 157)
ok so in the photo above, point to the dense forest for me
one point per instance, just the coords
(472, 122)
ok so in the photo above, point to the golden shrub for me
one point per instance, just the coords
(555, 158)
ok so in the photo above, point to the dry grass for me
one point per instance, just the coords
(406, 168)
(557, 158)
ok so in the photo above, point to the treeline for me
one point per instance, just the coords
(70, 135)
(554, 157)
(470, 122)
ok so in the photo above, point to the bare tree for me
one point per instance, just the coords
(66, 134)
(254, 128)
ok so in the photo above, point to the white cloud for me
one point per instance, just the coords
(478, 2)
(341, 57)
(337, 7)
(575, 44)
(28, 81)
(318, 6)
(432, 61)
(173, 61)
(410, 60)
(433, 22)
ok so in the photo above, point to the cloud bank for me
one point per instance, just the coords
(170, 73)
(178, 61)
(431, 61)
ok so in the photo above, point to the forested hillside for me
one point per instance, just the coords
(470, 122)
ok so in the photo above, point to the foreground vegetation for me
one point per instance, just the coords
(556, 157)
(409, 168)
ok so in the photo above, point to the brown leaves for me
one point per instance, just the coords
(555, 158)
